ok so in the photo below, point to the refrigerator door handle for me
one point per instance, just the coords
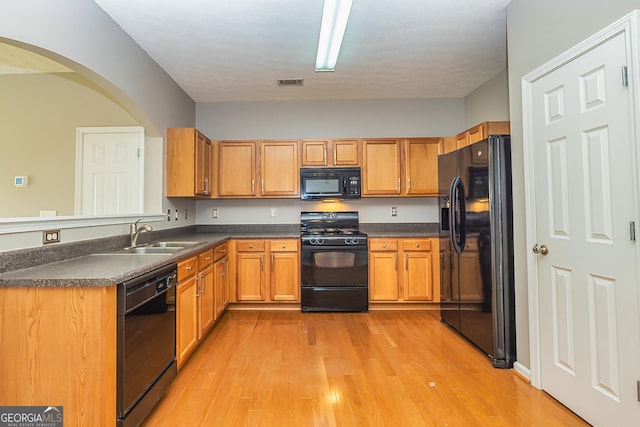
(457, 214)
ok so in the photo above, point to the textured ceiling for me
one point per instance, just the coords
(236, 50)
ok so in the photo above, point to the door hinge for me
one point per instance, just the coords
(638, 386)
(632, 231)
(625, 77)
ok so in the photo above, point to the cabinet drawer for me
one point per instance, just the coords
(471, 245)
(416, 244)
(383, 245)
(205, 259)
(250, 245)
(220, 251)
(284, 245)
(187, 267)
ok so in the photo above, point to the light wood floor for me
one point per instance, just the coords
(265, 368)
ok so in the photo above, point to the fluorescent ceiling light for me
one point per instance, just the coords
(334, 21)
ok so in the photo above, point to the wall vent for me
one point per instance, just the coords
(290, 82)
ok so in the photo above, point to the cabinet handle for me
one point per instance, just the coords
(208, 258)
(206, 186)
(198, 286)
(384, 246)
(417, 245)
(188, 268)
(272, 258)
(408, 185)
(395, 257)
(262, 188)
(251, 246)
(335, 155)
(261, 262)
(253, 193)
(324, 155)
(398, 185)
(406, 262)
(284, 246)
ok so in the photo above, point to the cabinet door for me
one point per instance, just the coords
(203, 165)
(250, 272)
(476, 133)
(462, 139)
(206, 314)
(381, 167)
(186, 318)
(279, 168)
(418, 270)
(221, 297)
(314, 152)
(421, 166)
(383, 276)
(237, 168)
(345, 152)
(470, 274)
(285, 276)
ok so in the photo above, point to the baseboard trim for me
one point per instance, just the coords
(522, 372)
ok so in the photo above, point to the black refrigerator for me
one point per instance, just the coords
(476, 246)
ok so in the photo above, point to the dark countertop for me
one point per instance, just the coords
(103, 267)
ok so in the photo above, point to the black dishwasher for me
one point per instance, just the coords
(146, 346)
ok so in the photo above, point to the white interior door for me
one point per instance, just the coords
(585, 200)
(109, 171)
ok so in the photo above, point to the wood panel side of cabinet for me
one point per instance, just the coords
(59, 348)
(180, 168)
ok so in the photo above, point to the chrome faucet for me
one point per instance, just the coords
(135, 231)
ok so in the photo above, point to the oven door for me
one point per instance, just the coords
(334, 266)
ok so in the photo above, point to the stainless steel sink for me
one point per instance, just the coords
(172, 244)
(151, 250)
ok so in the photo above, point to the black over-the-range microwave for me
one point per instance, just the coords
(329, 183)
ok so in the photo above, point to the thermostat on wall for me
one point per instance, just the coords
(21, 181)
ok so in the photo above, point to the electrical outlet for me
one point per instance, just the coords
(186, 214)
(175, 216)
(274, 211)
(168, 214)
(51, 236)
(214, 213)
(394, 211)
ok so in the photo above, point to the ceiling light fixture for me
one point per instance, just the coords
(334, 21)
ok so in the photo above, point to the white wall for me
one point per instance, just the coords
(331, 119)
(537, 31)
(82, 36)
(489, 102)
(372, 210)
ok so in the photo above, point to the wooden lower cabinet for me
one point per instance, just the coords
(221, 279)
(403, 270)
(206, 310)
(200, 294)
(58, 347)
(277, 280)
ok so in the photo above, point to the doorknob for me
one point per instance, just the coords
(542, 249)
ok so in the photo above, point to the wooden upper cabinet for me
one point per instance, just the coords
(480, 132)
(189, 163)
(237, 168)
(381, 167)
(279, 169)
(421, 166)
(330, 152)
